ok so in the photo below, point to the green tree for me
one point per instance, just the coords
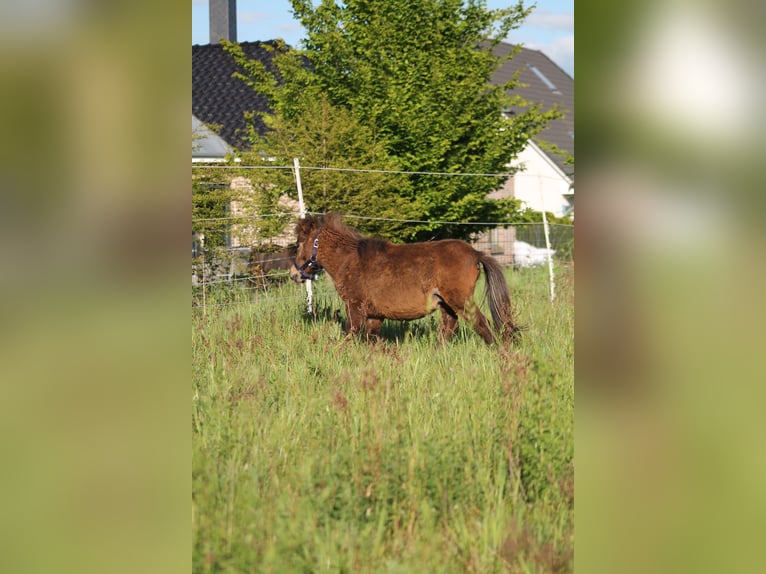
(237, 203)
(331, 143)
(411, 81)
(211, 196)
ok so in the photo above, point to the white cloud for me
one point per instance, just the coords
(253, 17)
(291, 28)
(551, 20)
(561, 51)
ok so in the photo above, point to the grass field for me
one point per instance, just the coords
(314, 453)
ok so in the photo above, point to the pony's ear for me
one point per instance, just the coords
(305, 226)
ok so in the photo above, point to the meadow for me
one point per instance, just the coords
(317, 453)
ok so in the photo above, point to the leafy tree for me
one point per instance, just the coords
(211, 196)
(402, 85)
(229, 204)
(221, 208)
(330, 141)
(529, 215)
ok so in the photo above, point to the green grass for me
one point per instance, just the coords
(315, 453)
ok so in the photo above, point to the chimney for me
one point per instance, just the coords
(223, 20)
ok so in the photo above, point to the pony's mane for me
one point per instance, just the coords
(365, 245)
(332, 221)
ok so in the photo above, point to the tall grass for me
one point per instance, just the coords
(315, 453)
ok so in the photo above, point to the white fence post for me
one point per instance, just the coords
(302, 213)
(547, 232)
(202, 251)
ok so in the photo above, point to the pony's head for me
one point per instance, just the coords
(306, 266)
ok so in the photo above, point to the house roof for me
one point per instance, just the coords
(207, 146)
(543, 82)
(220, 100)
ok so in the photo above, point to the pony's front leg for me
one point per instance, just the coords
(355, 319)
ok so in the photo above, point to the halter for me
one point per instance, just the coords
(310, 263)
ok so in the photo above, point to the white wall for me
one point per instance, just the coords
(542, 185)
(207, 147)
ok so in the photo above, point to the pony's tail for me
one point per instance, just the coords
(499, 299)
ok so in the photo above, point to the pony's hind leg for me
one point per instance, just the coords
(372, 328)
(473, 314)
(468, 311)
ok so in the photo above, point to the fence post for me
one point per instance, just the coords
(202, 251)
(546, 230)
(302, 213)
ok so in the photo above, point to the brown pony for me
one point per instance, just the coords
(379, 280)
(262, 265)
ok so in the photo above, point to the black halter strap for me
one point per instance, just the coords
(310, 264)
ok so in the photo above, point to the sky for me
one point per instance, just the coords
(550, 27)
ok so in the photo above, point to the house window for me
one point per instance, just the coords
(551, 86)
(196, 247)
(569, 207)
(495, 246)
